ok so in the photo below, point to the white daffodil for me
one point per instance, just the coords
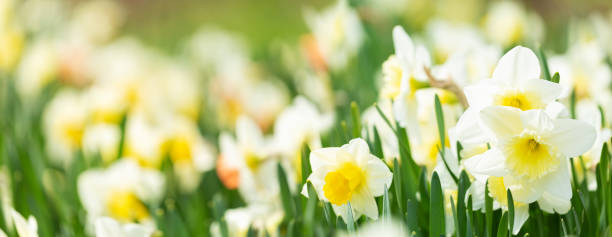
(262, 218)
(515, 83)
(588, 112)
(379, 228)
(448, 39)
(300, 124)
(470, 65)
(97, 21)
(64, 122)
(11, 47)
(102, 140)
(508, 22)
(37, 68)
(106, 103)
(25, 228)
(338, 33)
(121, 192)
(109, 227)
(190, 154)
(403, 74)
(349, 174)
(530, 152)
(144, 140)
(245, 163)
(584, 70)
(372, 119)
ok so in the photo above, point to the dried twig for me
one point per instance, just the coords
(449, 85)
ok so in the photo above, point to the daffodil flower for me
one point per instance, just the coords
(530, 151)
(109, 227)
(403, 74)
(349, 174)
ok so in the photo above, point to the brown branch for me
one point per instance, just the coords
(447, 85)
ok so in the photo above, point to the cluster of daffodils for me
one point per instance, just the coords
(108, 136)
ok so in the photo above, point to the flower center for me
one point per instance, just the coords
(341, 184)
(528, 157)
(180, 150)
(126, 207)
(519, 99)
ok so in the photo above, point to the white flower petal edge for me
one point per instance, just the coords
(517, 65)
(572, 137)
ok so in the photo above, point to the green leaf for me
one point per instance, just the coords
(455, 217)
(502, 231)
(412, 215)
(488, 211)
(386, 210)
(377, 146)
(309, 214)
(397, 184)
(556, 78)
(305, 163)
(440, 121)
(436, 208)
(350, 223)
(544, 62)
(356, 120)
(573, 104)
(122, 127)
(510, 210)
(464, 184)
(219, 211)
(285, 192)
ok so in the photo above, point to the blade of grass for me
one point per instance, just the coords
(285, 192)
(356, 120)
(436, 208)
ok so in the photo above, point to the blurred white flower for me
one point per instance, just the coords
(349, 174)
(380, 228)
(25, 228)
(64, 122)
(245, 163)
(37, 68)
(508, 23)
(121, 192)
(262, 218)
(109, 227)
(338, 33)
(102, 140)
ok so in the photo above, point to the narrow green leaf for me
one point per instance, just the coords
(436, 208)
(603, 116)
(510, 211)
(305, 163)
(556, 78)
(412, 215)
(455, 217)
(285, 192)
(122, 127)
(309, 214)
(251, 232)
(440, 121)
(378, 150)
(350, 223)
(573, 104)
(327, 212)
(386, 210)
(488, 211)
(464, 184)
(502, 231)
(219, 211)
(397, 184)
(544, 62)
(356, 119)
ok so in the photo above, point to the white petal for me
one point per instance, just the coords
(323, 157)
(517, 65)
(107, 227)
(521, 214)
(364, 202)
(404, 48)
(537, 120)
(501, 121)
(482, 93)
(547, 91)
(359, 149)
(571, 137)
(558, 183)
(489, 163)
(522, 191)
(378, 176)
(552, 204)
(24, 228)
(2, 234)
(557, 110)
